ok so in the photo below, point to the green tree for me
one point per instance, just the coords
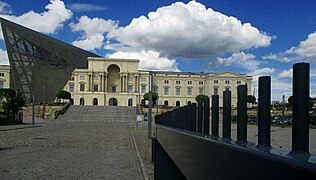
(251, 99)
(200, 97)
(12, 102)
(290, 99)
(62, 94)
(154, 96)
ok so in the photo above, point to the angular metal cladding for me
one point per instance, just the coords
(37, 60)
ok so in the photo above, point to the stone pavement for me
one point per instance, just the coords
(67, 150)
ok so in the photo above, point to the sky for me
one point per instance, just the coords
(257, 38)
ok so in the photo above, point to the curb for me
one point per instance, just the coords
(142, 165)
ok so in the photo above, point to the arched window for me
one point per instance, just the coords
(166, 103)
(95, 101)
(189, 103)
(178, 103)
(130, 102)
(81, 101)
(215, 92)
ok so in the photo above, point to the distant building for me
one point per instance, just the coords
(110, 81)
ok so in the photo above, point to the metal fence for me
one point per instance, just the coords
(184, 148)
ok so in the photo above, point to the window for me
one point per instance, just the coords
(130, 78)
(82, 87)
(177, 82)
(2, 74)
(177, 90)
(1, 84)
(238, 82)
(215, 81)
(143, 89)
(71, 78)
(95, 77)
(95, 87)
(130, 88)
(177, 103)
(227, 88)
(166, 103)
(189, 82)
(81, 77)
(143, 79)
(201, 91)
(189, 91)
(113, 88)
(71, 87)
(226, 82)
(166, 82)
(155, 89)
(200, 82)
(154, 81)
(215, 91)
(166, 90)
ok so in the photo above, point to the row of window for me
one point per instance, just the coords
(144, 79)
(143, 89)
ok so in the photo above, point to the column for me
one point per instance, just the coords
(89, 83)
(105, 88)
(101, 83)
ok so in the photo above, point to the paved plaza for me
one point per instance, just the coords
(91, 150)
(71, 150)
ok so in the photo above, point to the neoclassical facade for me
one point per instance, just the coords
(118, 82)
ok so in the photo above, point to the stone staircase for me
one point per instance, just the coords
(77, 113)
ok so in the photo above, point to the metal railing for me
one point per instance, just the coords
(184, 144)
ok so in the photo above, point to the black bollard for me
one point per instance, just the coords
(215, 115)
(227, 114)
(242, 113)
(300, 129)
(206, 116)
(264, 114)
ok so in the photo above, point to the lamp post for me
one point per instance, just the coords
(150, 105)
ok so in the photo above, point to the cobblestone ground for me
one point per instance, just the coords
(68, 151)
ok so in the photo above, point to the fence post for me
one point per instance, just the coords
(300, 129)
(264, 116)
(242, 113)
(199, 117)
(227, 114)
(206, 116)
(193, 117)
(215, 115)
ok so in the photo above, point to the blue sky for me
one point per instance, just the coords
(252, 37)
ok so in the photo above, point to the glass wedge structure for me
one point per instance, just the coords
(40, 65)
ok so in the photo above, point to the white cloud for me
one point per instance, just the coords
(245, 60)
(286, 73)
(93, 31)
(83, 7)
(4, 60)
(149, 60)
(46, 22)
(5, 8)
(306, 49)
(189, 31)
(279, 57)
(263, 72)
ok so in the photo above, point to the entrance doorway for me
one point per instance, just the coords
(113, 102)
